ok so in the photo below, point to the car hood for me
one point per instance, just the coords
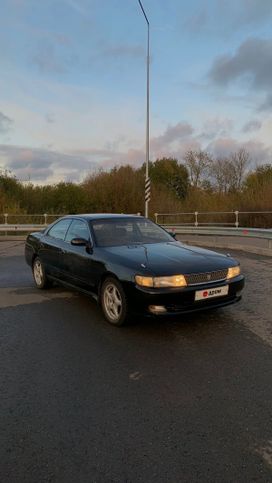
(169, 258)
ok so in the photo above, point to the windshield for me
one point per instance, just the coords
(128, 231)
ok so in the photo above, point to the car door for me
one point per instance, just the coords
(78, 266)
(52, 247)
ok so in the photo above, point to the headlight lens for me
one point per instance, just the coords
(174, 281)
(144, 281)
(233, 272)
(161, 282)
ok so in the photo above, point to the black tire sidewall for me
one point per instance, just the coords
(124, 311)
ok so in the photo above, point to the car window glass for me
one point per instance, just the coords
(125, 232)
(151, 233)
(59, 229)
(77, 229)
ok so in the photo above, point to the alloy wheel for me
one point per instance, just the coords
(38, 272)
(112, 302)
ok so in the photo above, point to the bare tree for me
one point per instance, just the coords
(219, 173)
(228, 174)
(240, 162)
(197, 163)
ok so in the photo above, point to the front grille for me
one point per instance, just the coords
(207, 277)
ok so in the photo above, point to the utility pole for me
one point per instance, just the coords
(147, 179)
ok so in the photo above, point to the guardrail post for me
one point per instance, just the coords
(196, 220)
(237, 219)
(6, 218)
(45, 218)
(156, 217)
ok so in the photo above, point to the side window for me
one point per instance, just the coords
(59, 229)
(77, 229)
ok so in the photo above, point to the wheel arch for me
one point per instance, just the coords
(105, 275)
(35, 255)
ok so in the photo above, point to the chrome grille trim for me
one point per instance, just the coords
(206, 277)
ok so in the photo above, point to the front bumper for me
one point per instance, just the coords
(180, 301)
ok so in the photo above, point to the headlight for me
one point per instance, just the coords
(233, 272)
(174, 281)
(144, 281)
(161, 282)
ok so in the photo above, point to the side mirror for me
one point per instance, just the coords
(89, 247)
(172, 234)
(79, 242)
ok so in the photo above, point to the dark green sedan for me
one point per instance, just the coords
(131, 265)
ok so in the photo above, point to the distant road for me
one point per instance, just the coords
(251, 245)
(164, 400)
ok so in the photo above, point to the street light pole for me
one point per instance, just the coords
(147, 180)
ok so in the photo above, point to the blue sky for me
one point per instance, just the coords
(72, 84)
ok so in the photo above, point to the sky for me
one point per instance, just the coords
(73, 83)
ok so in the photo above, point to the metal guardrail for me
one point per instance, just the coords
(233, 218)
(35, 218)
(220, 235)
(179, 229)
(254, 240)
(224, 231)
(25, 227)
(213, 218)
(26, 223)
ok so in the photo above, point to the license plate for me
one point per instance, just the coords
(211, 293)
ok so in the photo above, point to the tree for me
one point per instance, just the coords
(198, 164)
(10, 191)
(240, 162)
(119, 190)
(228, 174)
(171, 174)
(256, 181)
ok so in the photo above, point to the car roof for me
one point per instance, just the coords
(100, 216)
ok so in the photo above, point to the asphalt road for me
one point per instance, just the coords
(184, 400)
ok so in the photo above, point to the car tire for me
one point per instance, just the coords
(39, 275)
(114, 302)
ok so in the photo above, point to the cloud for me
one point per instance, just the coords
(250, 65)
(5, 123)
(175, 141)
(252, 126)
(234, 16)
(53, 59)
(117, 53)
(135, 157)
(49, 118)
(173, 134)
(252, 11)
(44, 165)
(251, 61)
(46, 60)
(123, 51)
(216, 127)
(266, 105)
(197, 21)
(258, 151)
